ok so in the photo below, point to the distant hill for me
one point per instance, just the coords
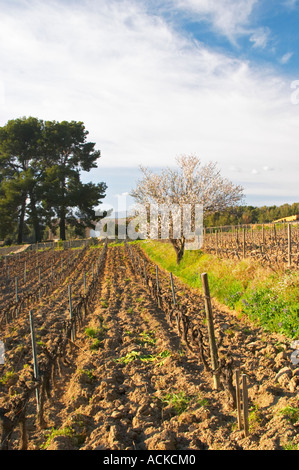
(251, 215)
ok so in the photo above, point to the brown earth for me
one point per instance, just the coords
(130, 383)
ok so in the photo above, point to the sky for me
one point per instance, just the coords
(152, 80)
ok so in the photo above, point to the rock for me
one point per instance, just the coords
(164, 441)
(281, 359)
(61, 443)
(293, 384)
(254, 346)
(270, 351)
(224, 326)
(116, 438)
(283, 376)
(295, 357)
(295, 344)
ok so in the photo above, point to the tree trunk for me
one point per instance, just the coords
(62, 225)
(35, 221)
(21, 221)
(62, 210)
(179, 246)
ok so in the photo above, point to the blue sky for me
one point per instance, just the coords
(152, 80)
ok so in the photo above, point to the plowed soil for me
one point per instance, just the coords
(131, 383)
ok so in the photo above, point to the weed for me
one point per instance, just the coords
(179, 401)
(66, 431)
(89, 373)
(272, 312)
(97, 334)
(229, 332)
(291, 413)
(131, 356)
(91, 332)
(181, 352)
(163, 355)
(7, 377)
(291, 446)
(134, 355)
(255, 417)
(203, 402)
(147, 338)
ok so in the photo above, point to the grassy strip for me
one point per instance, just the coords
(268, 298)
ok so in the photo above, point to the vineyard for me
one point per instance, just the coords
(106, 350)
(271, 244)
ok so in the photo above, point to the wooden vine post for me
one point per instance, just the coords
(39, 283)
(211, 332)
(34, 354)
(172, 289)
(245, 404)
(242, 402)
(71, 311)
(144, 270)
(289, 246)
(84, 282)
(158, 286)
(238, 398)
(16, 284)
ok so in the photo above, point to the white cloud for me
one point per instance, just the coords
(260, 37)
(268, 168)
(230, 18)
(286, 57)
(144, 91)
(291, 4)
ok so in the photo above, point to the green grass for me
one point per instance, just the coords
(147, 338)
(180, 401)
(137, 355)
(291, 413)
(98, 336)
(67, 431)
(5, 378)
(271, 299)
(104, 303)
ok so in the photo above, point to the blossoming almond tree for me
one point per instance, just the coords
(192, 183)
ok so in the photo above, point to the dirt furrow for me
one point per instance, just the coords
(139, 390)
(130, 383)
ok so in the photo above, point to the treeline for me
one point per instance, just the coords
(40, 179)
(251, 215)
